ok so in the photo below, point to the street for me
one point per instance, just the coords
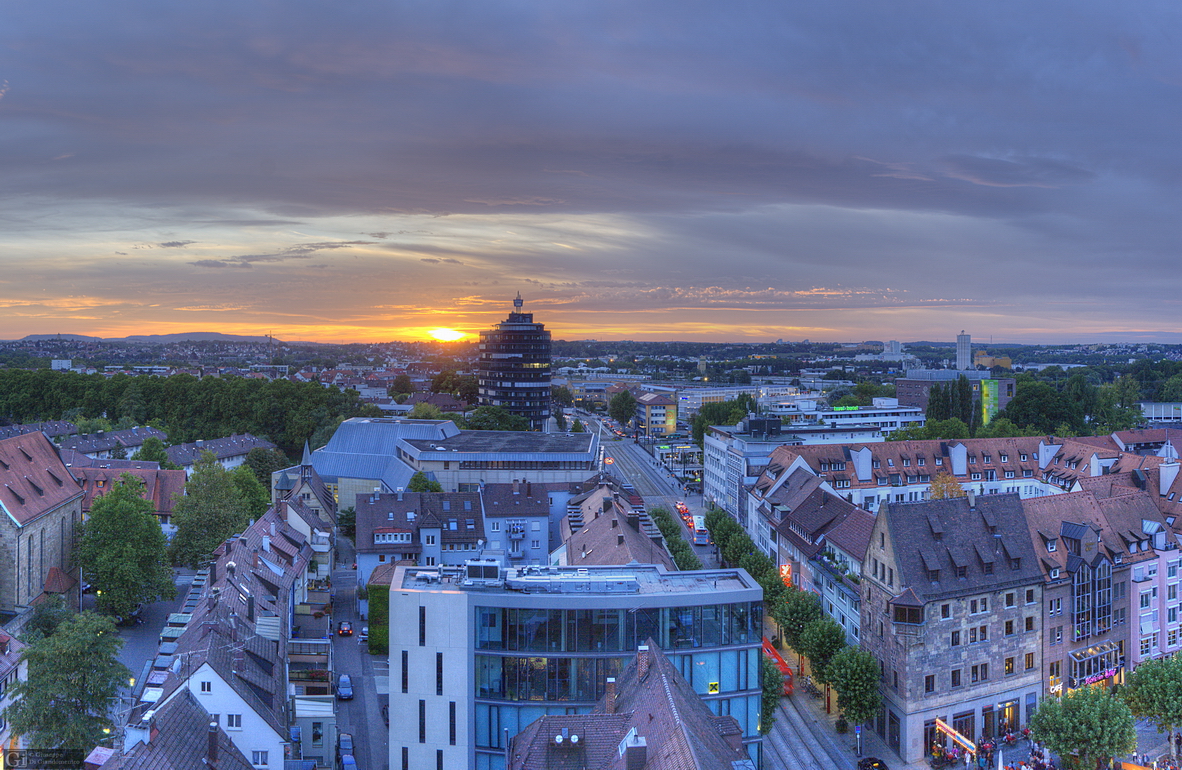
(655, 483)
(361, 716)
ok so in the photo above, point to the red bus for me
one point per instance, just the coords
(771, 652)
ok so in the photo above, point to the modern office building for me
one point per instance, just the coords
(478, 652)
(990, 394)
(964, 351)
(514, 367)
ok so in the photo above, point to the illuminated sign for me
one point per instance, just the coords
(845, 408)
(1097, 677)
(786, 574)
(956, 737)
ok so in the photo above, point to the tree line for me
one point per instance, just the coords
(187, 408)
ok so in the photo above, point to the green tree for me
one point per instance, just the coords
(797, 609)
(46, 617)
(253, 494)
(462, 386)
(1086, 727)
(123, 551)
(945, 485)
(772, 683)
(495, 418)
(820, 641)
(561, 395)
(577, 426)
(1154, 692)
(131, 404)
(152, 451)
(402, 384)
(420, 483)
(425, 411)
(854, 673)
(72, 685)
(118, 452)
(622, 407)
(263, 462)
(560, 418)
(848, 399)
(347, 521)
(210, 512)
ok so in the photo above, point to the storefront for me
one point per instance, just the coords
(1100, 664)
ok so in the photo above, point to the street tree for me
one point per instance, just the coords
(347, 521)
(772, 684)
(263, 462)
(401, 384)
(46, 617)
(72, 684)
(1086, 727)
(797, 609)
(420, 483)
(425, 411)
(1154, 692)
(854, 673)
(561, 395)
(945, 485)
(152, 450)
(495, 418)
(254, 495)
(210, 512)
(820, 641)
(622, 407)
(577, 426)
(123, 552)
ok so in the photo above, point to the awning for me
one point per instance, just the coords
(1093, 652)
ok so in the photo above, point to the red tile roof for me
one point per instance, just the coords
(33, 480)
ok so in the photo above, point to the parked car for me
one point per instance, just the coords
(345, 628)
(348, 763)
(344, 688)
(344, 745)
(364, 635)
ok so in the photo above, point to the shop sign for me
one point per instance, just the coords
(1097, 677)
(956, 737)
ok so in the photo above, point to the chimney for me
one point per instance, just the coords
(272, 528)
(213, 597)
(140, 732)
(211, 757)
(399, 494)
(516, 487)
(213, 572)
(529, 487)
(641, 661)
(619, 539)
(609, 702)
(636, 753)
(972, 495)
(200, 443)
(250, 608)
(267, 541)
(615, 523)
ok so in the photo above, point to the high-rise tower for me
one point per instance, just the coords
(514, 367)
(964, 351)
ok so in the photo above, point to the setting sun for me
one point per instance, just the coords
(447, 335)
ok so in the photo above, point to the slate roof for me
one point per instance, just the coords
(52, 428)
(501, 442)
(680, 731)
(799, 504)
(963, 538)
(852, 534)
(75, 459)
(388, 513)
(105, 441)
(33, 480)
(222, 448)
(179, 741)
(529, 500)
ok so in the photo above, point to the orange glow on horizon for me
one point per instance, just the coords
(447, 335)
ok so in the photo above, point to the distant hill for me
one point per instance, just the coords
(191, 337)
(158, 339)
(73, 337)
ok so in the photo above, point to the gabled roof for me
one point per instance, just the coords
(222, 448)
(179, 740)
(610, 538)
(162, 488)
(33, 480)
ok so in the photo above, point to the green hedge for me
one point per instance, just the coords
(379, 623)
(683, 555)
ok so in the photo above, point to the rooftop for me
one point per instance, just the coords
(630, 579)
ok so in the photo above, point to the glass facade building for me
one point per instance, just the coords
(551, 650)
(513, 371)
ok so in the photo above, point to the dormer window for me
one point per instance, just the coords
(986, 458)
(920, 461)
(890, 463)
(875, 464)
(939, 461)
(1052, 546)
(1054, 573)
(1022, 457)
(906, 463)
(972, 459)
(1005, 458)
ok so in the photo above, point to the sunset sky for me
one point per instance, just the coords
(747, 171)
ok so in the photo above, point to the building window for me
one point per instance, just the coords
(405, 671)
(980, 672)
(1009, 666)
(451, 712)
(1010, 599)
(438, 759)
(258, 758)
(956, 677)
(929, 683)
(1029, 660)
(405, 758)
(206, 687)
(1029, 622)
(955, 639)
(1009, 628)
(422, 626)
(234, 722)
(439, 673)
(945, 611)
(422, 721)
(1030, 596)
